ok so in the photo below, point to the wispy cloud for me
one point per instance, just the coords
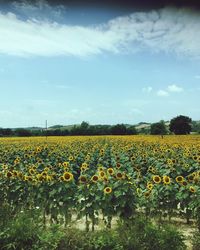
(166, 30)
(197, 76)
(147, 89)
(174, 88)
(162, 93)
(170, 89)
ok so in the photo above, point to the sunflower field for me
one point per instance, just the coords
(101, 176)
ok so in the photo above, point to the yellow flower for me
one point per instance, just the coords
(94, 178)
(156, 179)
(192, 189)
(110, 171)
(179, 179)
(119, 176)
(67, 176)
(65, 164)
(102, 174)
(8, 174)
(71, 158)
(147, 194)
(149, 186)
(40, 177)
(107, 190)
(83, 179)
(166, 179)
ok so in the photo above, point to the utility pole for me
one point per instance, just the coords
(46, 128)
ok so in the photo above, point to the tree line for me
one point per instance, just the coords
(178, 125)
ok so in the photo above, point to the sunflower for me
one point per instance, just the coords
(40, 177)
(147, 194)
(102, 174)
(84, 165)
(31, 171)
(195, 157)
(118, 165)
(14, 173)
(119, 176)
(61, 178)
(65, 164)
(190, 177)
(20, 175)
(149, 186)
(8, 174)
(83, 179)
(67, 176)
(94, 178)
(179, 179)
(110, 171)
(156, 179)
(132, 158)
(166, 179)
(71, 158)
(184, 183)
(83, 168)
(192, 189)
(107, 190)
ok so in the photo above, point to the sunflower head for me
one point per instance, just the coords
(83, 179)
(147, 194)
(94, 178)
(119, 175)
(166, 179)
(67, 176)
(9, 174)
(107, 190)
(102, 174)
(156, 179)
(149, 186)
(192, 189)
(110, 171)
(179, 179)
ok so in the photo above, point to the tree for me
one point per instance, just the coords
(131, 130)
(180, 125)
(119, 129)
(22, 132)
(158, 128)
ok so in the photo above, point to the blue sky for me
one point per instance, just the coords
(104, 66)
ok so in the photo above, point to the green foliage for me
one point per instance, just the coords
(131, 130)
(181, 125)
(25, 232)
(104, 240)
(50, 238)
(158, 128)
(23, 132)
(21, 232)
(119, 129)
(140, 234)
(196, 241)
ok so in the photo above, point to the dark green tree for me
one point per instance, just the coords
(119, 129)
(131, 130)
(158, 128)
(181, 125)
(23, 132)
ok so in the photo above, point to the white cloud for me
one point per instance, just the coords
(162, 93)
(166, 30)
(174, 88)
(147, 89)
